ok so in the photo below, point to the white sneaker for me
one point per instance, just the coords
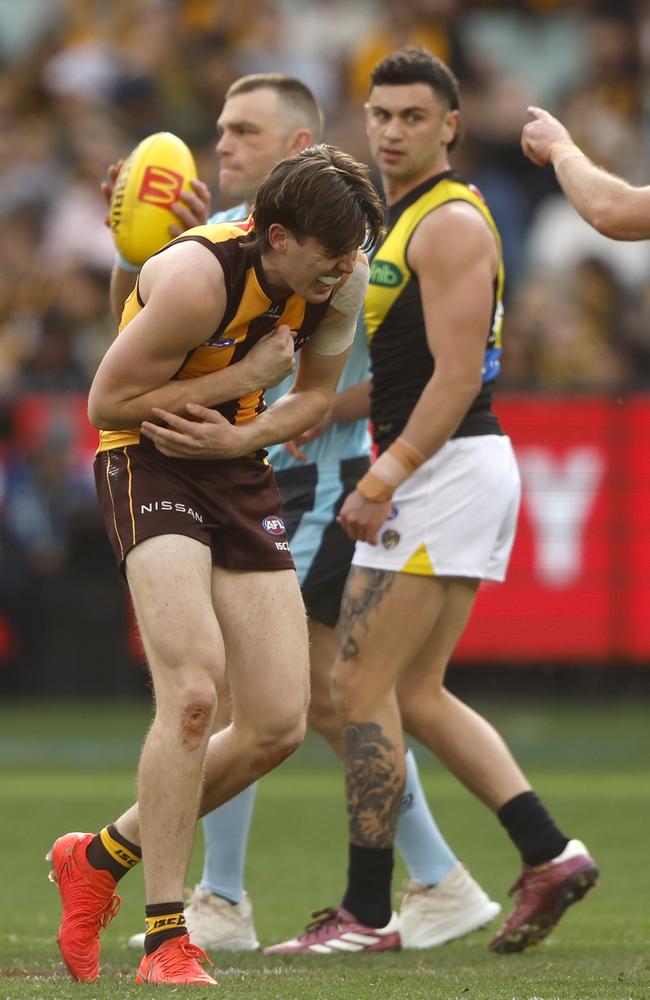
(214, 924)
(431, 915)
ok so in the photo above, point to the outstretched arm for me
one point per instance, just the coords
(608, 203)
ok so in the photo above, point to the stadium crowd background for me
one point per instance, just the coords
(82, 81)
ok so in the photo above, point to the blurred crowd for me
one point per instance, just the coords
(82, 81)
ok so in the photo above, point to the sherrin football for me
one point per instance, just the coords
(149, 182)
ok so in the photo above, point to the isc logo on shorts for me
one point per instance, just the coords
(274, 525)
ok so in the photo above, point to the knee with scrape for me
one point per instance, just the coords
(196, 723)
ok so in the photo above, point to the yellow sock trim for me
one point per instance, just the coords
(154, 925)
(118, 851)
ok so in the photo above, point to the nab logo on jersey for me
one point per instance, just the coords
(274, 525)
(386, 274)
(160, 186)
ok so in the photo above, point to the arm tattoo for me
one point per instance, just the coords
(374, 786)
(356, 606)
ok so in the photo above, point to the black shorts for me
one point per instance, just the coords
(232, 506)
(312, 496)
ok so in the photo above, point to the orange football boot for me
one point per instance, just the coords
(88, 902)
(175, 961)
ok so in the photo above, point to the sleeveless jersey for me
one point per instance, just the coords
(251, 312)
(401, 360)
(340, 441)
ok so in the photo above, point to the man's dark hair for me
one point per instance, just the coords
(414, 64)
(293, 92)
(320, 192)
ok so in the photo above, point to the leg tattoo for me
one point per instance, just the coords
(374, 789)
(356, 608)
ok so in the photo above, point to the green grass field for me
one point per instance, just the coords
(68, 767)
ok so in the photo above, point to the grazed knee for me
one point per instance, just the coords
(196, 723)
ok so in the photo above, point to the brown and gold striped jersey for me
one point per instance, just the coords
(251, 312)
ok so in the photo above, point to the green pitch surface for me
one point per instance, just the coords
(71, 768)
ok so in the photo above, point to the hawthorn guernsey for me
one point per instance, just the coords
(149, 183)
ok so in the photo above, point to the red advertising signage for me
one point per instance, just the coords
(578, 587)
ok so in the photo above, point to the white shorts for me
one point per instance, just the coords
(455, 516)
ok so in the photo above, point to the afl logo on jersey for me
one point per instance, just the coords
(274, 525)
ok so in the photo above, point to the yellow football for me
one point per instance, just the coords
(150, 181)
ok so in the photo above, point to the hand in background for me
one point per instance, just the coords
(539, 136)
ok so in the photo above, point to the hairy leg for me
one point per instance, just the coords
(323, 716)
(169, 578)
(463, 740)
(265, 633)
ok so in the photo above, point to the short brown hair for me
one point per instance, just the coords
(320, 192)
(414, 64)
(289, 89)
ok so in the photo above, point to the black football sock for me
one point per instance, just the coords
(163, 921)
(110, 851)
(531, 829)
(367, 897)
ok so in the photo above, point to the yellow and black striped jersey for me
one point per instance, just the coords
(401, 360)
(251, 312)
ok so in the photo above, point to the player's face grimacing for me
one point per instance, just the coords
(306, 267)
(252, 139)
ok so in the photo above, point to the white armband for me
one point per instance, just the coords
(336, 331)
(125, 264)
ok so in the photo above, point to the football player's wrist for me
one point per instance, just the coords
(561, 150)
(374, 489)
(410, 457)
(389, 471)
(126, 265)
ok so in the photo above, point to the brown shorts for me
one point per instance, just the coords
(233, 506)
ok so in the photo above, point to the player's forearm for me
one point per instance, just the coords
(606, 202)
(436, 416)
(352, 404)
(286, 419)
(107, 412)
(441, 407)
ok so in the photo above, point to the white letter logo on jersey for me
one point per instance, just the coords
(179, 508)
(274, 525)
(560, 495)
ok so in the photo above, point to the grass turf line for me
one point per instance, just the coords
(599, 952)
